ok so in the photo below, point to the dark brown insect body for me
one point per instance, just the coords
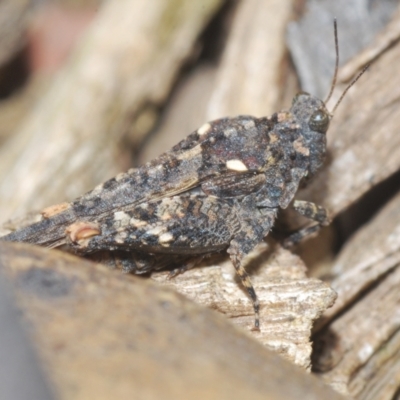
(219, 189)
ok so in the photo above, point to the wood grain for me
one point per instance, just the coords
(103, 335)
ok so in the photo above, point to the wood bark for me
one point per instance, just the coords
(103, 335)
(356, 341)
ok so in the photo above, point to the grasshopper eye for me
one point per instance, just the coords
(319, 121)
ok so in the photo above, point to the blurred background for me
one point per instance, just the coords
(89, 88)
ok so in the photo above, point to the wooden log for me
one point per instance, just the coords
(103, 335)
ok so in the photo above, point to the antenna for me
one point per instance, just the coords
(336, 72)
(337, 61)
(348, 87)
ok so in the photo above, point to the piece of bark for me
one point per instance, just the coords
(19, 363)
(311, 43)
(385, 39)
(252, 66)
(357, 341)
(290, 302)
(104, 335)
(359, 337)
(128, 59)
(358, 344)
(370, 254)
(382, 383)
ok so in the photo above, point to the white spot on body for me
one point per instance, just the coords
(165, 238)
(137, 223)
(120, 237)
(236, 165)
(204, 129)
(122, 217)
(157, 230)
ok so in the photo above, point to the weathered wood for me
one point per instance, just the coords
(361, 331)
(252, 66)
(363, 342)
(103, 335)
(368, 256)
(290, 302)
(357, 340)
(129, 58)
(310, 38)
(386, 38)
(362, 141)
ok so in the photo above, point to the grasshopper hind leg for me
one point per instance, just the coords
(252, 233)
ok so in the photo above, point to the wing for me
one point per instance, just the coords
(233, 146)
(225, 158)
(185, 224)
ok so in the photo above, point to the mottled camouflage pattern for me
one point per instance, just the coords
(220, 188)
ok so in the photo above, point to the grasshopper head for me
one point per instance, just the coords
(313, 118)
